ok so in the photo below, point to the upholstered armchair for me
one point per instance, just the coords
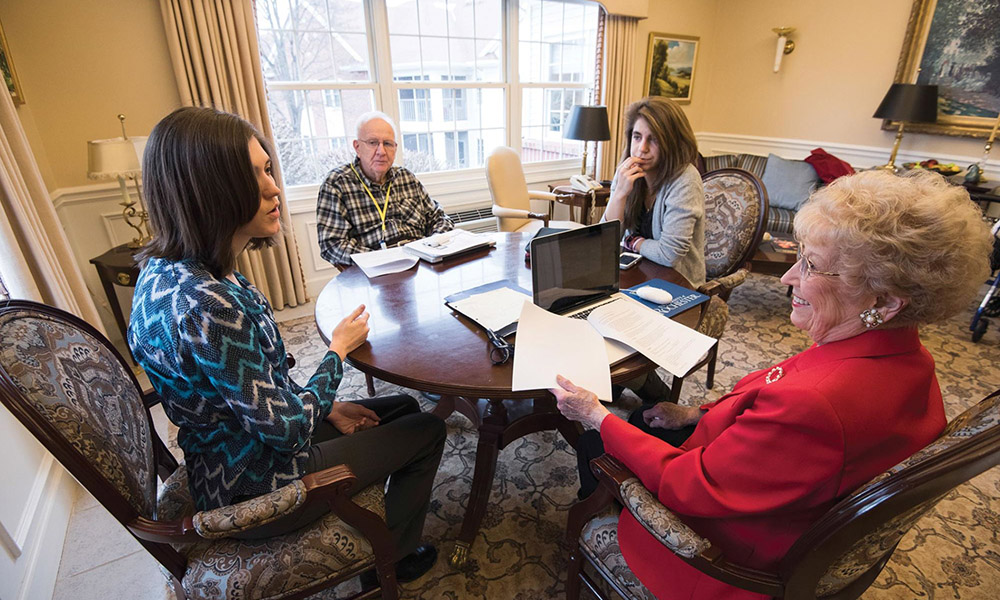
(735, 207)
(837, 558)
(511, 197)
(73, 391)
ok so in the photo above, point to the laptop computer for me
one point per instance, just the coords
(575, 271)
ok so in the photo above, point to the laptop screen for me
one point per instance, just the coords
(574, 267)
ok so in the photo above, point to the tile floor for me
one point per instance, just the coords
(101, 560)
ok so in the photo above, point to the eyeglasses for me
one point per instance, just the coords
(500, 350)
(806, 268)
(389, 145)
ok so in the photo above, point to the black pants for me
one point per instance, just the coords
(405, 447)
(590, 446)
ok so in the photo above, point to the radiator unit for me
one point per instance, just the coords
(477, 220)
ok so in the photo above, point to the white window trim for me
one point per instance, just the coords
(448, 182)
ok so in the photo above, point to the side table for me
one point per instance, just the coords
(577, 199)
(117, 266)
(769, 261)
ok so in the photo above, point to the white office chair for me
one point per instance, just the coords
(512, 198)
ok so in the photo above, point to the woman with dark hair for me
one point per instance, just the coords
(208, 341)
(656, 192)
(657, 195)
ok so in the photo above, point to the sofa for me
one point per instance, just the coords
(788, 184)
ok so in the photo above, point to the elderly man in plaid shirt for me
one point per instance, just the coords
(369, 204)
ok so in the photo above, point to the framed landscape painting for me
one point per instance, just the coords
(670, 64)
(955, 45)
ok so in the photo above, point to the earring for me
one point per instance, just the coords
(871, 318)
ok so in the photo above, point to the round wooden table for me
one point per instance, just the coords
(419, 343)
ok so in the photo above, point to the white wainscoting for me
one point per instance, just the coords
(34, 513)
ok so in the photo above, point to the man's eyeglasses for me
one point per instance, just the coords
(806, 268)
(389, 145)
(500, 350)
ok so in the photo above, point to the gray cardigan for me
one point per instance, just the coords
(679, 227)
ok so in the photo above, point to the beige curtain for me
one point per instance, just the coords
(213, 47)
(619, 53)
(35, 257)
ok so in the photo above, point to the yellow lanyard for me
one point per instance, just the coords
(380, 209)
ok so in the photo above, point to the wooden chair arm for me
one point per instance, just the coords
(518, 213)
(721, 285)
(540, 195)
(671, 531)
(332, 486)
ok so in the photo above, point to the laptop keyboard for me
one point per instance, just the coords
(583, 314)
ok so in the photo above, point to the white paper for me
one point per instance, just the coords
(383, 262)
(548, 345)
(443, 245)
(494, 309)
(669, 344)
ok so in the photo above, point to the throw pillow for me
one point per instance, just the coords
(788, 182)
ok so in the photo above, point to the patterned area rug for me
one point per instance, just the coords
(952, 553)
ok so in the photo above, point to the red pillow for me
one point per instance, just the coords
(828, 166)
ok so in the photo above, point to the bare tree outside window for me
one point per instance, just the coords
(447, 77)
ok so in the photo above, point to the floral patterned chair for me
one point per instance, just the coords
(837, 558)
(735, 209)
(73, 391)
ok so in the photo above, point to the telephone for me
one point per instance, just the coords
(582, 183)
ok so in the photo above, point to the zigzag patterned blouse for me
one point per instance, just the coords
(212, 351)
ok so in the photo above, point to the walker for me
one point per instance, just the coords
(990, 306)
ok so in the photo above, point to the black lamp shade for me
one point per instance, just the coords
(589, 123)
(909, 102)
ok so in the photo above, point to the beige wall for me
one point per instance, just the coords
(682, 17)
(845, 58)
(81, 62)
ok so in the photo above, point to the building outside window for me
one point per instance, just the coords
(439, 67)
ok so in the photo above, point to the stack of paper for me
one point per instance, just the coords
(450, 243)
(550, 345)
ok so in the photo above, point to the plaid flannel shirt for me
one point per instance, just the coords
(347, 220)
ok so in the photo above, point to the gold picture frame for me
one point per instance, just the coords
(931, 53)
(7, 68)
(674, 58)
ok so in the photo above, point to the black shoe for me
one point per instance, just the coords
(409, 568)
(435, 398)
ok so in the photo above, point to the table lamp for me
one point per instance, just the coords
(590, 124)
(121, 159)
(907, 102)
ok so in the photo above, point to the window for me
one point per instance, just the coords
(556, 50)
(418, 142)
(439, 67)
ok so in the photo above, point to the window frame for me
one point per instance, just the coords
(385, 88)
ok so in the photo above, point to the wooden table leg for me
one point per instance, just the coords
(490, 432)
(498, 427)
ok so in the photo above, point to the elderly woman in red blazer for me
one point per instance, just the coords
(879, 255)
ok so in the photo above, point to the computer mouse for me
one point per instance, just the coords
(654, 294)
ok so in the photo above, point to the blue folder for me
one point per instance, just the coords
(683, 297)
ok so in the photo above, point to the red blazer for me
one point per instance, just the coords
(768, 459)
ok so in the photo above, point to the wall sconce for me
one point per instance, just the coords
(785, 45)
